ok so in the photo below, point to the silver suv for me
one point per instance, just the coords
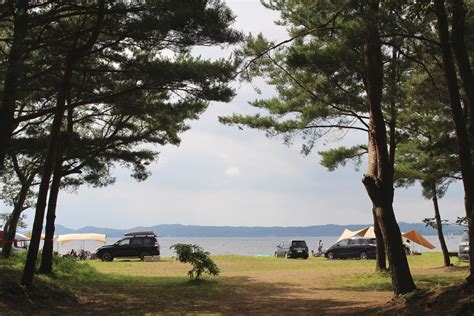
(464, 247)
(292, 249)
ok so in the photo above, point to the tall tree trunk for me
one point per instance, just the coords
(12, 223)
(439, 228)
(30, 263)
(380, 263)
(379, 179)
(393, 107)
(46, 266)
(381, 252)
(462, 56)
(13, 72)
(462, 139)
(381, 259)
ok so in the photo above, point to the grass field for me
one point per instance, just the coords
(246, 285)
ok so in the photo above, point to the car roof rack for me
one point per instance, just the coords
(145, 233)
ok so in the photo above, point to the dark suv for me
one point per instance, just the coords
(137, 244)
(292, 249)
(355, 247)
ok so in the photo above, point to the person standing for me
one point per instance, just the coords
(320, 248)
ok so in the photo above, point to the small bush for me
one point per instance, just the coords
(198, 258)
(65, 265)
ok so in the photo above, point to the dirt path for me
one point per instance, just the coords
(253, 291)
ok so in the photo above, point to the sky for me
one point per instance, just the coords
(221, 175)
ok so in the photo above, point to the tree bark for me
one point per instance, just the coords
(10, 229)
(46, 266)
(462, 57)
(379, 179)
(439, 228)
(381, 259)
(459, 123)
(13, 72)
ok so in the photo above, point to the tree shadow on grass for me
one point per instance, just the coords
(117, 294)
(453, 268)
(367, 282)
(241, 295)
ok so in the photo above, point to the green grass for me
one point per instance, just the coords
(426, 269)
(126, 284)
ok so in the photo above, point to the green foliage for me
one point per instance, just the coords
(338, 157)
(427, 151)
(462, 221)
(431, 222)
(136, 90)
(4, 217)
(317, 75)
(198, 258)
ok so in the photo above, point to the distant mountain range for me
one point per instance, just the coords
(177, 230)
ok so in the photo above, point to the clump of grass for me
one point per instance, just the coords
(366, 282)
(437, 281)
(16, 260)
(72, 267)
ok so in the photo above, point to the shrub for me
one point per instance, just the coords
(198, 258)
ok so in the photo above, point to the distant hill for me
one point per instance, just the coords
(177, 230)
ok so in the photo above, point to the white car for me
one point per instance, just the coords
(464, 247)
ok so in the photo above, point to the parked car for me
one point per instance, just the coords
(292, 249)
(355, 247)
(19, 244)
(464, 247)
(136, 244)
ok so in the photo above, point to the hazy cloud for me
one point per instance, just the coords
(232, 172)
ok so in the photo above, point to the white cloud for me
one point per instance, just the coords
(232, 171)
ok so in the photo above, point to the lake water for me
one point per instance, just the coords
(245, 246)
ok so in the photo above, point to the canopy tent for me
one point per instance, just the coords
(370, 233)
(346, 234)
(349, 233)
(42, 236)
(22, 237)
(18, 237)
(71, 237)
(416, 237)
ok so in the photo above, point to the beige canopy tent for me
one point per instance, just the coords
(42, 236)
(345, 234)
(370, 233)
(416, 237)
(349, 233)
(81, 237)
(411, 235)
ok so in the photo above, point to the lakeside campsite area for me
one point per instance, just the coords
(246, 285)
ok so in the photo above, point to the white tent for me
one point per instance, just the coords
(21, 237)
(71, 237)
